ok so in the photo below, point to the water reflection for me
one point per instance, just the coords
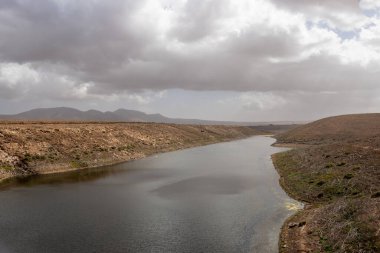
(83, 175)
(217, 198)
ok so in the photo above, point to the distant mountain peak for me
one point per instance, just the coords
(72, 114)
(119, 115)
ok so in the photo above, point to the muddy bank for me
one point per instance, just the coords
(28, 148)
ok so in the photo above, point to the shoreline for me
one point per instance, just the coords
(293, 228)
(61, 168)
(335, 188)
(284, 243)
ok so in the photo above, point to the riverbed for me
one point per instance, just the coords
(218, 198)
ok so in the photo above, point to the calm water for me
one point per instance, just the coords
(218, 198)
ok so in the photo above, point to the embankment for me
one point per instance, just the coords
(335, 171)
(28, 148)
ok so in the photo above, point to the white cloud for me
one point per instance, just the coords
(255, 101)
(261, 101)
(144, 98)
(369, 4)
(14, 74)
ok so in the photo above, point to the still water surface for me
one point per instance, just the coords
(218, 198)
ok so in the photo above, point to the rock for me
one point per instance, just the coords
(302, 223)
(348, 176)
(320, 183)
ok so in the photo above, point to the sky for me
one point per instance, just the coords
(241, 60)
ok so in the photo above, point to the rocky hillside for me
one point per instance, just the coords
(33, 148)
(337, 172)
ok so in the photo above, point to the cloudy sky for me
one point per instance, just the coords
(247, 60)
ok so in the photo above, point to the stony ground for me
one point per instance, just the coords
(41, 147)
(336, 172)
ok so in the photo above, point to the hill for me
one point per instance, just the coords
(71, 114)
(355, 128)
(35, 148)
(337, 174)
(120, 115)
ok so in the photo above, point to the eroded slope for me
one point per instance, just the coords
(32, 148)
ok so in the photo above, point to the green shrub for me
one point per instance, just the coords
(129, 147)
(78, 164)
(6, 168)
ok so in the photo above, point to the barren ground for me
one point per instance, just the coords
(28, 148)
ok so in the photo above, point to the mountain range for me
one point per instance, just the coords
(120, 115)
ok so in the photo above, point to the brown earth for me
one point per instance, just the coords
(354, 128)
(335, 171)
(28, 148)
(275, 128)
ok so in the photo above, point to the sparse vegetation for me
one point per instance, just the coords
(6, 168)
(30, 158)
(44, 147)
(337, 174)
(78, 164)
(129, 147)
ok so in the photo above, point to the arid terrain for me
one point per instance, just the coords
(334, 170)
(28, 148)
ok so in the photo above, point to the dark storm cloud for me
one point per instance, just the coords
(86, 35)
(7, 92)
(73, 49)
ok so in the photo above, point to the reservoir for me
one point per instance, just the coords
(218, 198)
